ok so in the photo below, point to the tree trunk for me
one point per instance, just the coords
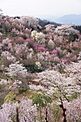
(40, 114)
(64, 110)
(17, 115)
(46, 116)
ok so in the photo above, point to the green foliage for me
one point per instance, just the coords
(5, 28)
(57, 94)
(56, 112)
(1, 61)
(33, 68)
(0, 86)
(2, 94)
(73, 96)
(13, 118)
(10, 97)
(72, 36)
(41, 100)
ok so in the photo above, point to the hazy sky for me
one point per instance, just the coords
(40, 7)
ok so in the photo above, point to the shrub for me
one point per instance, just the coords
(72, 37)
(10, 97)
(33, 68)
(73, 96)
(23, 87)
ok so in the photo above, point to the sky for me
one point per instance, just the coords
(37, 8)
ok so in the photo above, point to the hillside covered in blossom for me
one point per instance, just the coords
(40, 71)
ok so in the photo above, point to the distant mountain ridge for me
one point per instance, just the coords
(43, 22)
(69, 19)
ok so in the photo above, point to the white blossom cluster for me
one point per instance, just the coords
(27, 112)
(39, 36)
(73, 67)
(37, 88)
(17, 69)
(51, 77)
(50, 27)
(65, 29)
(4, 82)
(55, 79)
(8, 112)
(73, 110)
(29, 21)
(6, 41)
(8, 56)
(74, 71)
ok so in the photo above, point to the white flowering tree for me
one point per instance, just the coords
(24, 111)
(17, 70)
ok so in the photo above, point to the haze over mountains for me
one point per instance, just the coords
(66, 19)
(70, 19)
